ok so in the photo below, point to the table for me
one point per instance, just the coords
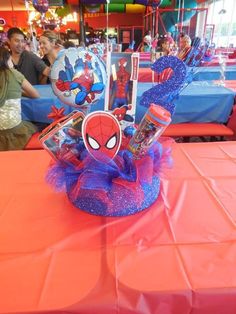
(213, 73)
(215, 62)
(177, 257)
(209, 103)
(145, 63)
(230, 84)
(203, 73)
(147, 75)
(144, 56)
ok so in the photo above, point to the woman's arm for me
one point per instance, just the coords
(29, 90)
(44, 76)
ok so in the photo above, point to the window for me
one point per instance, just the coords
(222, 14)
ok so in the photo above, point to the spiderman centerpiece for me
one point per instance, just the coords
(115, 173)
(106, 179)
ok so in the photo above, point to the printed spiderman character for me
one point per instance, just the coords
(102, 135)
(65, 142)
(84, 82)
(121, 85)
(121, 113)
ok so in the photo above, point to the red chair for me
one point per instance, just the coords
(187, 130)
(232, 124)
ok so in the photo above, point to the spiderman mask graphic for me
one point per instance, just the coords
(102, 135)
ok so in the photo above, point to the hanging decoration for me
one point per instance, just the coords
(154, 3)
(50, 20)
(41, 5)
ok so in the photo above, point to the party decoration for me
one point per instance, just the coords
(154, 3)
(41, 5)
(164, 93)
(102, 135)
(78, 77)
(105, 171)
(122, 69)
(121, 187)
(98, 49)
(61, 138)
(56, 113)
(151, 127)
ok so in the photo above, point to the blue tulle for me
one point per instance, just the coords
(123, 186)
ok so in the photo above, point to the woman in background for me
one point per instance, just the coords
(164, 46)
(50, 45)
(184, 47)
(147, 41)
(14, 133)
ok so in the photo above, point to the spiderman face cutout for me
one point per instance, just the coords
(102, 135)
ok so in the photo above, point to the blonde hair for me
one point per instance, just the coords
(186, 39)
(52, 37)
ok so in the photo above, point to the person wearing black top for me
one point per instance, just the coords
(50, 44)
(28, 63)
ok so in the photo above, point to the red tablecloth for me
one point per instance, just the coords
(230, 84)
(147, 75)
(178, 257)
(145, 56)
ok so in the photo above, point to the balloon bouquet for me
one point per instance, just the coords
(103, 170)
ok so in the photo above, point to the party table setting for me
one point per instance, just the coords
(209, 103)
(178, 256)
(203, 73)
(107, 216)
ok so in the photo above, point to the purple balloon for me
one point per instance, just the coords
(93, 1)
(41, 5)
(153, 3)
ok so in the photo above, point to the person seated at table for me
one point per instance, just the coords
(164, 50)
(155, 42)
(147, 42)
(14, 133)
(50, 45)
(184, 47)
(26, 62)
(164, 46)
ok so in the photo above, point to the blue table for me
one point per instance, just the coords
(213, 73)
(202, 73)
(199, 102)
(145, 63)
